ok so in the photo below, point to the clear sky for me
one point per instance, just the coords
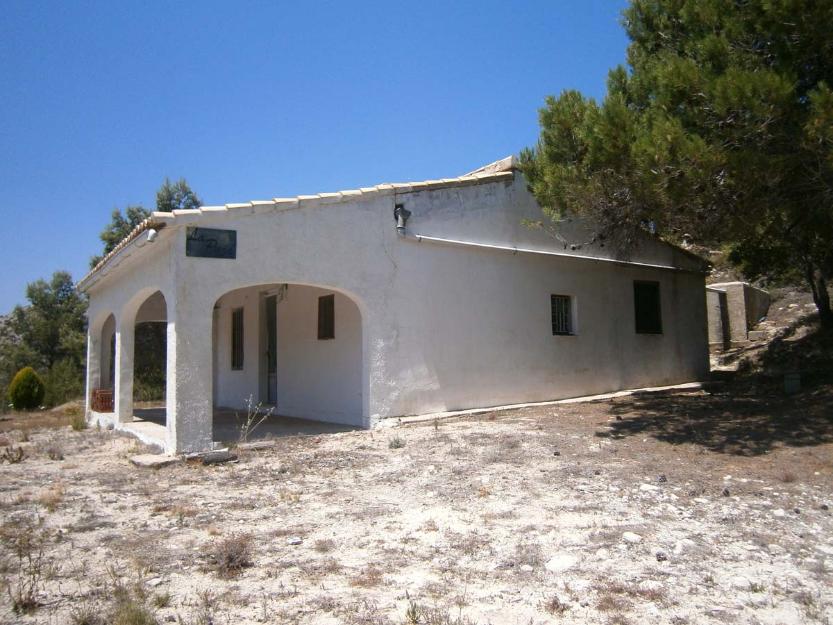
(253, 100)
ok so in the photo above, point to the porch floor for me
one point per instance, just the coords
(149, 426)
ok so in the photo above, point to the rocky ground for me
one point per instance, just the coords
(610, 512)
(693, 506)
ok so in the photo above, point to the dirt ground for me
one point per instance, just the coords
(698, 506)
(691, 506)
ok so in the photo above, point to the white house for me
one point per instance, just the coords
(398, 299)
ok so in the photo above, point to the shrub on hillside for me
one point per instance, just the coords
(26, 390)
(64, 382)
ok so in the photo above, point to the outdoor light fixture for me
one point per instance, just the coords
(152, 235)
(401, 214)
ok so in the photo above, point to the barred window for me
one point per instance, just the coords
(237, 339)
(562, 314)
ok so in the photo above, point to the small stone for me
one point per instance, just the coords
(778, 513)
(661, 557)
(741, 583)
(526, 568)
(662, 479)
(155, 581)
(797, 510)
(725, 492)
(648, 487)
(153, 461)
(683, 545)
(556, 453)
(632, 538)
(650, 585)
(824, 507)
(597, 472)
(218, 456)
(294, 540)
(560, 562)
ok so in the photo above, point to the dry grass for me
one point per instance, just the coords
(368, 577)
(27, 422)
(324, 545)
(229, 556)
(52, 497)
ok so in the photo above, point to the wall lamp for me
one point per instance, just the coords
(401, 214)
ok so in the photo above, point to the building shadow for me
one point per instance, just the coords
(743, 413)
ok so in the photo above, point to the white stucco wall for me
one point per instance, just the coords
(234, 387)
(319, 379)
(444, 326)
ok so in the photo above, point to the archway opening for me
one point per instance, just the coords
(150, 359)
(290, 352)
(102, 392)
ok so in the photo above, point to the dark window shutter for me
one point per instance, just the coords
(237, 339)
(647, 307)
(326, 317)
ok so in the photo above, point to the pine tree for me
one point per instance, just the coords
(721, 127)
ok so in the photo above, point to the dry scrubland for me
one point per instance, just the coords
(698, 506)
(647, 509)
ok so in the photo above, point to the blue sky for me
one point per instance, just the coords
(253, 100)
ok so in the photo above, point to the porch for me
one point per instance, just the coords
(149, 426)
(297, 346)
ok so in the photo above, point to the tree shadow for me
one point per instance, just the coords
(745, 413)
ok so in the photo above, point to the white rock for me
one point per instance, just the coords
(650, 585)
(294, 540)
(153, 461)
(526, 568)
(741, 583)
(630, 537)
(561, 562)
(683, 545)
(779, 513)
(648, 487)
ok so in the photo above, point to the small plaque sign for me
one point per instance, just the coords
(211, 243)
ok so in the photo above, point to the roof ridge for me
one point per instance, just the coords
(499, 170)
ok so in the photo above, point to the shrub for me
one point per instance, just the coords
(26, 544)
(78, 422)
(132, 612)
(26, 390)
(64, 381)
(231, 555)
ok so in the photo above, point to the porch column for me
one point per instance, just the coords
(123, 394)
(93, 367)
(189, 376)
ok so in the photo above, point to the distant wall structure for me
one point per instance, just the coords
(734, 308)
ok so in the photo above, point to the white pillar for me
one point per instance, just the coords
(123, 394)
(189, 376)
(93, 367)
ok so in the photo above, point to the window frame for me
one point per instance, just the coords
(326, 317)
(641, 325)
(237, 347)
(570, 314)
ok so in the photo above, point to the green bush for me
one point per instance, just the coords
(26, 390)
(64, 381)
